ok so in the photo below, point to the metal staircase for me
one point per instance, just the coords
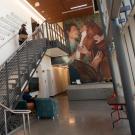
(17, 71)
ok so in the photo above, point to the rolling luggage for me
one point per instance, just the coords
(46, 108)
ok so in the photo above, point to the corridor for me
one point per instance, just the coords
(80, 118)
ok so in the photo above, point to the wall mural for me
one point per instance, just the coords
(87, 50)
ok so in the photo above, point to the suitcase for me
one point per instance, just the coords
(46, 108)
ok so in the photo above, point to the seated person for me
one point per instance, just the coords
(29, 99)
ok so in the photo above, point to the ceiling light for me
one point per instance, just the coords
(70, 11)
(37, 4)
(42, 11)
(80, 6)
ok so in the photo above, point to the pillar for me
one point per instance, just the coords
(125, 76)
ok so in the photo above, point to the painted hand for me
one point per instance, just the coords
(98, 38)
(84, 50)
(97, 60)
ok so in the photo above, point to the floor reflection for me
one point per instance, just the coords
(80, 118)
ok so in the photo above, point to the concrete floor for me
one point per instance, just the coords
(80, 118)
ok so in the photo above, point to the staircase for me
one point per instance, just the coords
(17, 71)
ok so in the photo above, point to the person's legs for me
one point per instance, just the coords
(31, 106)
(31, 101)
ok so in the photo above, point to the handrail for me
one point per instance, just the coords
(15, 111)
(23, 112)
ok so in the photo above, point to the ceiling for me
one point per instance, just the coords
(53, 10)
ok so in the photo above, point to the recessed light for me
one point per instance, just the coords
(79, 6)
(78, 9)
(37, 4)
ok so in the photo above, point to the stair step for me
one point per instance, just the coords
(11, 86)
(30, 55)
(24, 55)
(21, 73)
(13, 76)
(10, 68)
(23, 65)
(12, 81)
(3, 94)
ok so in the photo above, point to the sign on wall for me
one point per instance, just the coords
(9, 26)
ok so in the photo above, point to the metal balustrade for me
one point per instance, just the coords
(24, 113)
(17, 71)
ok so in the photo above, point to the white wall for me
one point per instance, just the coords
(61, 77)
(25, 12)
(47, 86)
(52, 80)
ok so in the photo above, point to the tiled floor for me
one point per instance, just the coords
(80, 118)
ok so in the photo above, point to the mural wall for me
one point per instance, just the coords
(87, 49)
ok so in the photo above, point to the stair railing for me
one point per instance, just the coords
(25, 113)
(19, 68)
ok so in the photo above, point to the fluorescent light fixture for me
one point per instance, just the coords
(80, 6)
(74, 10)
(37, 4)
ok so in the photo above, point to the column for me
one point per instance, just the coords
(125, 76)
